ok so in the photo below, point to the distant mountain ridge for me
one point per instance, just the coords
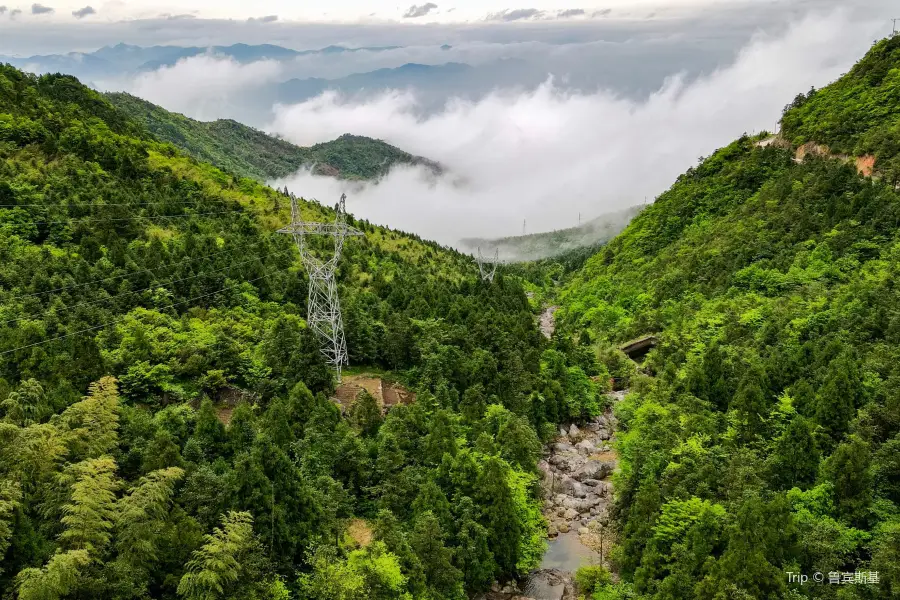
(123, 58)
(248, 152)
(549, 244)
(430, 81)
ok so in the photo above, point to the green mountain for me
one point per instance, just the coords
(248, 152)
(761, 435)
(165, 430)
(551, 244)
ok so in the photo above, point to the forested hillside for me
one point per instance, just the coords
(165, 430)
(764, 437)
(248, 152)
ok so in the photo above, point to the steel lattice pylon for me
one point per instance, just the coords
(323, 306)
(488, 268)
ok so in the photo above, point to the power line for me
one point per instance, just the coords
(114, 277)
(107, 299)
(125, 318)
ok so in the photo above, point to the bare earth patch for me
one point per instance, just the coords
(360, 532)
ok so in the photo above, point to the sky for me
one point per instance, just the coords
(674, 81)
(445, 11)
(545, 156)
(51, 26)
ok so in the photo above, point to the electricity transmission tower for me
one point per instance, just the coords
(488, 268)
(894, 21)
(323, 308)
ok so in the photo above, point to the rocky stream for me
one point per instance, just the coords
(576, 471)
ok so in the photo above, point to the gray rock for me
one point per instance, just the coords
(585, 447)
(562, 432)
(510, 588)
(561, 463)
(570, 487)
(574, 431)
(563, 447)
(571, 503)
(570, 514)
(591, 482)
(583, 530)
(563, 528)
(593, 500)
(593, 469)
(603, 434)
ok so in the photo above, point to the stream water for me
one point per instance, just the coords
(567, 553)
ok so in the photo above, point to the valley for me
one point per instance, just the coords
(690, 408)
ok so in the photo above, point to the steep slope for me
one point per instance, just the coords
(249, 152)
(764, 439)
(857, 115)
(211, 463)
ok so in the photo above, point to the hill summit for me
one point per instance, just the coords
(248, 152)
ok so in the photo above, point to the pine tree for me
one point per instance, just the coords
(387, 529)
(426, 540)
(837, 400)
(241, 429)
(432, 499)
(711, 382)
(849, 471)
(796, 456)
(499, 514)
(473, 404)
(365, 414)
(472, 555)
(518, 443)
(441, 437)
(751, 404)
(209, 431)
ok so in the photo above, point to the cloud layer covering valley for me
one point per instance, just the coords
(546, 155)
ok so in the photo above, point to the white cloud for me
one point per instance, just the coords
(202, 87)
(547, 155)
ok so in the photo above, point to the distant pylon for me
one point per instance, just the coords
(488, 268)
(323, 311)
